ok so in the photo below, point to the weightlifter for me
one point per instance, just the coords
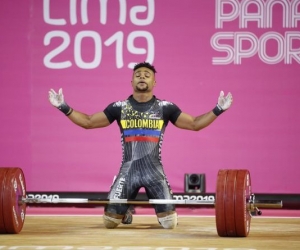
(142, 119)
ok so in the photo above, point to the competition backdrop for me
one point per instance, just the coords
(88, 47)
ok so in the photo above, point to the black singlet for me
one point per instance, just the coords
(142, 127)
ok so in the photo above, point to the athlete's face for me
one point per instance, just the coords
(143, 80)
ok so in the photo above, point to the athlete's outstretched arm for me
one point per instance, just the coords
(186, 121)
(97, 120)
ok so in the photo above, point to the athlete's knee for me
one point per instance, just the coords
(111, 222)
(169, 221)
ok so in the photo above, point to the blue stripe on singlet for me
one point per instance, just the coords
(145, 132)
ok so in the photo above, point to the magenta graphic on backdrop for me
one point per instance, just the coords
(251, 48)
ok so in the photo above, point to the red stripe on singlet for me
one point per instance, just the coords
(141, 138)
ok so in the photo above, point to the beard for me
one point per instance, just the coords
(141, 89)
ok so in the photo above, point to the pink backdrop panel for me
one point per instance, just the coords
(251, 49)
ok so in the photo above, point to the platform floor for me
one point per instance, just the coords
(82, 229)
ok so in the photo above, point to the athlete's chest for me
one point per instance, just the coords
(144, 118)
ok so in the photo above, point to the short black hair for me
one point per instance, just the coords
(146, 65)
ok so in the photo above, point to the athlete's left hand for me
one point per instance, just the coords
(56, 99)
(225, 101)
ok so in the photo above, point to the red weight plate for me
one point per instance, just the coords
(3, 172)
(220, 203)
(14, 191)
(242, 195)
(229, 200)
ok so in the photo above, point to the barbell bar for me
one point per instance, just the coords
(234, 203)
(252, 203)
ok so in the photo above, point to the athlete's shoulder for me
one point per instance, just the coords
(164, 103)
(113, 110)
(121, 103)
(170, 110)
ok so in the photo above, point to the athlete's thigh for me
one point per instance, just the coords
(122, 188)
(158, 188)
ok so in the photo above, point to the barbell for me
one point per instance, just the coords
(234, 203)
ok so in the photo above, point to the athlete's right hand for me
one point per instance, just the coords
(56, 99)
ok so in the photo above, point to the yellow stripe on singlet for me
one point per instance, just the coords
(142, 123)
